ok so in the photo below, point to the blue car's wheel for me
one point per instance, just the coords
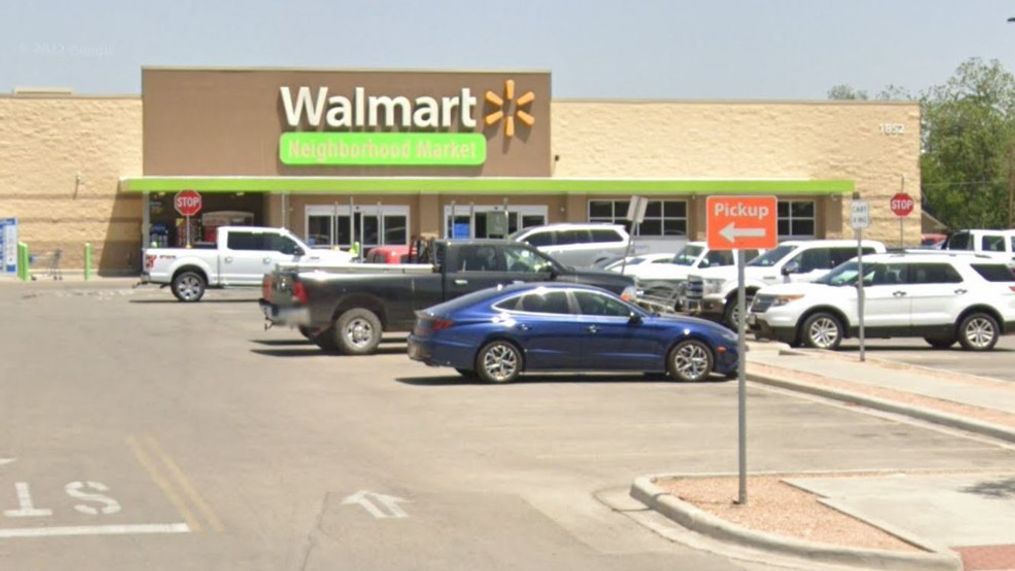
(690, 361)
(499, 362)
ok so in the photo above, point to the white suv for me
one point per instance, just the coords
(712, 292)
(943, 298)
(577, 244)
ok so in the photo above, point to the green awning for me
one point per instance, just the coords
(478, 185)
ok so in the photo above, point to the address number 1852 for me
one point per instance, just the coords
(892, 129)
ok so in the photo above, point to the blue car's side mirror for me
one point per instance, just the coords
(635, 319)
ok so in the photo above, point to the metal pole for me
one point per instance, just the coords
(742, 378)
(860, 292)
(472, 220)
(187, 222)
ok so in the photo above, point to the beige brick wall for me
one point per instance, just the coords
(60, 163)
(749, 140)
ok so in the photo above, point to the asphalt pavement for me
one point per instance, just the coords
(144, 433)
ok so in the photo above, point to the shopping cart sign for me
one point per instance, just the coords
(742, 222)
(8, 245)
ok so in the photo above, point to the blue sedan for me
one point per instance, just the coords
(497, 333)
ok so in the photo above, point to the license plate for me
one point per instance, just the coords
(414, 351)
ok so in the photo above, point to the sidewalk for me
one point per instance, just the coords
(927, 392)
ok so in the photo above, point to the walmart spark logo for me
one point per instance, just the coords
(506, 109)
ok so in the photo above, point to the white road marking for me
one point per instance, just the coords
(6, 461)
(78, 490)
(25, 506)
(94, 530)
(363, 498)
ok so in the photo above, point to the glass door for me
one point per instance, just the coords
(376, 225)
(478, 221)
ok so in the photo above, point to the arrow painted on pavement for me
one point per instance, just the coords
(6, 460)
(731, 232)
(367, 499)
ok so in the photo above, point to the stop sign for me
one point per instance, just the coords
(901, 204)
(187, 203)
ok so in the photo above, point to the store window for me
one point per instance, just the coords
(662, 217)
(477, 221)
(797, 218)
(383, 225)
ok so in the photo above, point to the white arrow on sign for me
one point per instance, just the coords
(731, 232)
(367, 498)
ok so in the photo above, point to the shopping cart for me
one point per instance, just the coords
(49, 263)
(661, 296)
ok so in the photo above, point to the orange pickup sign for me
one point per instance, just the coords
(742, 222)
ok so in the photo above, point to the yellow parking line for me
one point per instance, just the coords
(185, 485)
(163, 484)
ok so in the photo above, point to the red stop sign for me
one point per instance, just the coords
(187, 203)
(901, 204)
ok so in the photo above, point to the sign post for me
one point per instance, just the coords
(901, 205)
(9, 263)
(859, 219)
(187, 203)
(635, 215)
(741, 223)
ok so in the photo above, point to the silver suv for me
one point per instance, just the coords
(577, 245)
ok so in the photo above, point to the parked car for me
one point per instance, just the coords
(995, 243)
(577, 245)
(933, 241)
(942, 298)
(240, 256)
(498, 333)
(388, 255)
(712, 292)
(664, 286)
(641, 260)
(348, 312)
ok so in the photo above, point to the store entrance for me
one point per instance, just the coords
(379, 225)
(480, 221)
(168, 229)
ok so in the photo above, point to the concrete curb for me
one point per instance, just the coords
(920, 413)
(644, 490)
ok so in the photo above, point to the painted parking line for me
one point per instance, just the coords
(65, 531)
(176, 486)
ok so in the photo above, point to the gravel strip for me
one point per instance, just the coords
(776, 507)
(986, 415)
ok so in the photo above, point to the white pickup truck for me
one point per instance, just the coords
(240, 256)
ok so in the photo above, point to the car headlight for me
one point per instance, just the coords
(784, 299)
(630, 293)
(712, 286)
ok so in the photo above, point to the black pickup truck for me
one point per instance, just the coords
(348, 312)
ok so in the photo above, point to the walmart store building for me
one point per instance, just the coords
(336, 155)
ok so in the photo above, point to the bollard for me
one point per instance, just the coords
(23, 260)
(88, 261)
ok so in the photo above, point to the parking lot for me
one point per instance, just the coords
(144, 433)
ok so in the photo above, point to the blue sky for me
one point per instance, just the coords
(778, 49)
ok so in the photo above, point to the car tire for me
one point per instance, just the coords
(979, 332)
(822, 331)
(189, 286)
(940, 342)
(690, 361)
(307, 332)
(357, 332)
(499, 362)
(729, 313)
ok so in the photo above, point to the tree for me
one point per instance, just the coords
(969, 145)
(846, 92)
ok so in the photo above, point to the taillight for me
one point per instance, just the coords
(266, 287)
(1012, 288)
(440, 324)
(300, 292)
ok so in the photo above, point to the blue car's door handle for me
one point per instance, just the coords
(523, 327)
(593, 329)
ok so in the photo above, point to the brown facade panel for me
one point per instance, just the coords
(228, 122)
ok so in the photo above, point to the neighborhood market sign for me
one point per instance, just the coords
(419, 120)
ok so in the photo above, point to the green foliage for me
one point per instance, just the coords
(846, 92)
(968, 128)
